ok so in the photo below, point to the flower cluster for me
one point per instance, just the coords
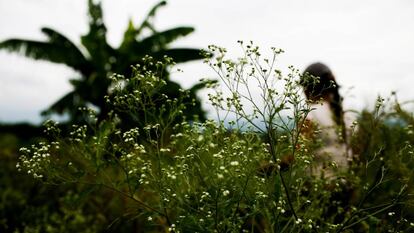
(35, 161)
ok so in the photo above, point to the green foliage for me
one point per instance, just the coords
(27, 205)
(96, 60)
(233, 175)
(383, 151)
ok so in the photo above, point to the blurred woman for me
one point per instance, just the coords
(326, 118)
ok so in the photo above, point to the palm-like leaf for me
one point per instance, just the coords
(64, 104)
(129, 37)
(180, 54)
(57, 49)
(154, 9)
(161, 39)
(147, 21)
(75, 58)
(157, 41)
(95, 41)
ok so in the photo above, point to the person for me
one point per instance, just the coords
(326, 118)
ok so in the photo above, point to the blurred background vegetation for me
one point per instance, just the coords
(96, 60)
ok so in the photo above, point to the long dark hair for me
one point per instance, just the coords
(318, 83)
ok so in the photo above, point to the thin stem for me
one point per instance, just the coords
(288, 196)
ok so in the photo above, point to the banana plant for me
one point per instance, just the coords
(95, 60)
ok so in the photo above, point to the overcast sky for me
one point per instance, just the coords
(368, 44)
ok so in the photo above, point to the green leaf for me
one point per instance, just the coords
(95, 41)
(129, 36)
(56, 52)
(146, 23)
(153, 43)
(201, 85)
(155, 8)
(95, 15)
(69, 102)
(74, 56)
(180, 54)
(161, 39)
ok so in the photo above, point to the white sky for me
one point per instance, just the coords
(368, 44)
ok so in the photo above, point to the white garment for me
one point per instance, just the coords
(333, 149)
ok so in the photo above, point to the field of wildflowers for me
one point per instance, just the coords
(251, 170)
